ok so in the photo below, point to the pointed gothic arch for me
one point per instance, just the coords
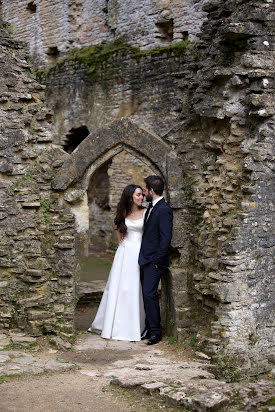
(98, 148)
(105, 142)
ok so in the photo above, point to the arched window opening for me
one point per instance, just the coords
(53, 53)
(185, 35)
(74, 138)
(31, 7)
(165, 30)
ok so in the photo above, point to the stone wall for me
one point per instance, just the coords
(124, 170)
(120, 84)
(228, 128)
(83, 22)
(37, 229)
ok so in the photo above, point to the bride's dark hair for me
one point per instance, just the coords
(124, 207)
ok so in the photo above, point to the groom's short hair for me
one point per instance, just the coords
(156, 183)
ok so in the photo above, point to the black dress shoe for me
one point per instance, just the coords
(145, 334)
(154, 339)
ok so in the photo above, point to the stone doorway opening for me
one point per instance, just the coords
(116, 150)
(104, 190)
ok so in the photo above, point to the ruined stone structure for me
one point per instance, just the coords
(81, 23)
(201, 114)
(37, 227)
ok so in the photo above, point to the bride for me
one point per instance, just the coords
(121, 313)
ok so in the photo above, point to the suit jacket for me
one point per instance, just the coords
(157, 235)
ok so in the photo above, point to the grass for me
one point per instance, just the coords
(170, 339)
(138, 400)
(8, 378)
(59, 360)
(271, 402)
(32, 347)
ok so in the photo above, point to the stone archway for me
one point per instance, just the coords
(98, 148)
(105, 141)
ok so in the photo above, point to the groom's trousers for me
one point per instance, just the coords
(150, 277)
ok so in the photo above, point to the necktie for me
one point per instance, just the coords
(148, 211)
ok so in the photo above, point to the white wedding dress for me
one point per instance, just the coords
(121, 313)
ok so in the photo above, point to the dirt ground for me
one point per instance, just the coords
(73, 392)
(76, 391)
(108, 375)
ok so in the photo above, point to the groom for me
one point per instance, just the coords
(154, 254)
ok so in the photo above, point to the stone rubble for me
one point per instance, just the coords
(16, 362)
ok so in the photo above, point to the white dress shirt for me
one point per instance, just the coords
(154, 204)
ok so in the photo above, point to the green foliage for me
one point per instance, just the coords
(271, 402)
(3, 379)
(193, 341)
(20, 182)
(227, 368)
(45, 205)
(32, 131)
(47, 218)
(187, 188)
(177, 49)
(170, 339)
(189, 343)
(22, 179)
(7, 27)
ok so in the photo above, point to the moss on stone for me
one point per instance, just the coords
(188, 190)
(94, 56)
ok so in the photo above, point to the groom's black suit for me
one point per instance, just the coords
(154, 260)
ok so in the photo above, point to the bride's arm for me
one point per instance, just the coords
(120, 236)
